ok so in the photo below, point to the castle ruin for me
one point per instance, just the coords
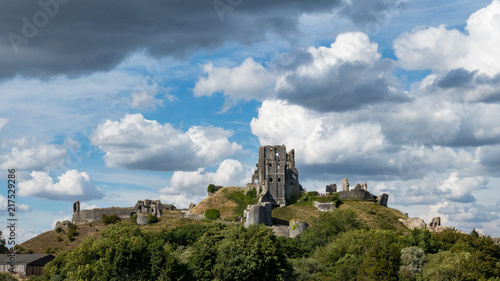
(276, 179)
(154, 207)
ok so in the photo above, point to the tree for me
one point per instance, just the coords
(361, 255)
(123, 252)
(3, 248)
(238, 253)
(211, 188)
(412, 263)
(327, 225)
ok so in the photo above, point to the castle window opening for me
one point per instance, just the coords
(279, 179)
(270, 179)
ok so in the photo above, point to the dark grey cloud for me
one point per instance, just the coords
(350, 86)
(456, 78)
(74, 37)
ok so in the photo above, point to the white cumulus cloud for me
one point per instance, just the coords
(137, 143)
(33, 157)
(442, 49)
(72, 185)
(316, 138)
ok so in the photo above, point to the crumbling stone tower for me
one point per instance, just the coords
(276, 179)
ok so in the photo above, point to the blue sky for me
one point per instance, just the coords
(109, 103)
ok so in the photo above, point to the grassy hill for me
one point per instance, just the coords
(229, 201)
(372, 214)
(56, 242)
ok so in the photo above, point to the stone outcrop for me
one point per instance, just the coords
(324, 207)
(297, 227)
(435, 222)
(413, 223)
(63, 224)
(192, 205)
(142, 219)
(382, 199)
(281, 230)
(345, 185)
(356, 194)
(331, 188)
(276, 177)
(258, 214)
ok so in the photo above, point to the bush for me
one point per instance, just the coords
(212, 214)
(187, 235)
(252, 193)
(152, 219)
(211, 188)
(72, 232)
(133, 218)
(110, 219)
(238, 253)
(58, 230)
(7, 277)
(313, 193)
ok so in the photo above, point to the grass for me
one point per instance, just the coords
(58, 242)
(376, 216)
(229, 201)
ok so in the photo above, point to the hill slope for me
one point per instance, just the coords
(54, 242)
(230, 201)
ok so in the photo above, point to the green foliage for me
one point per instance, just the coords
(152, 219)
(123, 252)
(423, 239)
(238, 253)
(3, 248)
(72, 232)
(412, 263)
(369, 254)
(110, 219)
(211, 188)
(7, 277)
(187, 235)
(133, 218)
(58, 230)
(327, 225)
(252, 193)
(212, 214)
(313, 193)
(292, 200)
(242, 201)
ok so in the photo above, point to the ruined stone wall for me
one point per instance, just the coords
(356, 194)
(95, 215)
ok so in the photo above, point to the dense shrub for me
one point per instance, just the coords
(252, 193)
(327, 225)
(212, 214)
(7, 277)
(123, 252)
(152, 219)
(110, 219)
(312, 193)
(238, 253)
(187, 235)
(72, 232)
(211, 188)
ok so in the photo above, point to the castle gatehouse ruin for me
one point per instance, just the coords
(276, 179)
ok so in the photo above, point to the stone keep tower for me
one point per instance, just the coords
(276, 178)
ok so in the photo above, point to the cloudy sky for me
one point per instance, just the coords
(109, 102)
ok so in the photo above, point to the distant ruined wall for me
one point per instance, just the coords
(95, 215)
(146, 206)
